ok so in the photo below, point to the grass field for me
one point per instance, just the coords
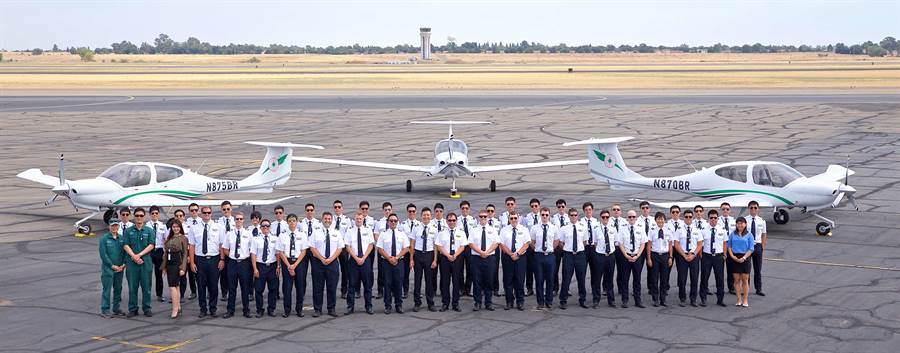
(450, 72)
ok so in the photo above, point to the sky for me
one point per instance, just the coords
(28, 24)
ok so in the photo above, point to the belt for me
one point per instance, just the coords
(265, 264)
(292, 259)
(207, 256)
(239, 260)
(661, 253)
(716, 254)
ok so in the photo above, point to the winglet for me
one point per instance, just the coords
(599, 141)
(283, 145)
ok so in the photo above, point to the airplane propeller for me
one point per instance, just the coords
(846, 188)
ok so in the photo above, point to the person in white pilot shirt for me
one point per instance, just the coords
(573, 243)
(360, 246)
(326, 246)
(688, 247)
(294, 257)
(713, 259)
(632, 241)
(659, 263)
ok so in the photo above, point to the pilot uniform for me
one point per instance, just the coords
(529, 220)
(264, 248)
(631, 238)
(688, 240)
(713, 260)
(111, 254)
(606, 242)
(543, 236)
(238, 242)
(191, 277)
(291, 245)
(514, 270)
(407, 227)
(227, 225)
(423, 257)
(559, 220)
(464, 224)
(590, 228)
(328, 242)
(159, 228)
(358, 240)
(451, 241)
(645, 223)
(617, 224)
(139, 275)
(497, 224)
(757, 227)
(341, 223)
(727, 225)
(482, 237)
(572, 238)
(207, 239)
(393, 241)
(661, 239)
(380, 227)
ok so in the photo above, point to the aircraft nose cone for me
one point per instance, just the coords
(847, 189)
(60, 190)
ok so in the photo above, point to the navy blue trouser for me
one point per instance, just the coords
(325, 281)
(267, 278)
(422, 268)
(659, 276)
(482, 269)
(544, 277)
(207, 282)
(687, 269)
(393, 283)
(239, 274)
(357, 274)
(712, 264)
(294, 283)
(514, 279)
(632, 270)
(573, 264)
(606, 268)
(451, 273)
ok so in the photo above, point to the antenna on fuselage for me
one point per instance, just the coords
(450, 124)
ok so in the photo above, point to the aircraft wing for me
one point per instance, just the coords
(410, 168)
(167, 201)
(833, 173)
(737, 201)
(37, 176)
(495, 168)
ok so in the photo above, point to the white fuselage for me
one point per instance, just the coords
(451, 160)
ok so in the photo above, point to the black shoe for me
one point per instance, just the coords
(508, 306)
(662, 303)
(760, 293)
(224, 299)
(300, 313)
(317, 313)
(192, 296)
(681, 304)
(247, 315)
(119, 313)
(343, 295)
(595, 305)
(399, 310)
(202, 315)
(332, 313)
(416, 308)
(105, 315)
(227, 315)
(457, 309)
(405, 295)
(708, 292)
(259, 314)
(529, 293)
(655, 303)
(720, 303)
(132, 314)
(703, 303)
(431, 308)
(271, 314)
(348, 311)
(731, 291)
(548, 307)
(489, 307)
(477, 307)
(370, 311)
(639, 305)
(519, 307)
(213, 314)
(160, 299)
(496, 293)
(693, 303)
(624, 305)
(611, 304)
(444, 308)
(583, 305)
(148, 313)
(251, 297)
(387, 311)
(379, 295)
(285, 314)
(562, 306)
(358, 296)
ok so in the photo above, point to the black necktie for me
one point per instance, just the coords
(676, 225)
(265, 257)
(514, 248)
(727, 229)
(616, 223)
(466, 225)
(327, 242)
(712, 242)
(632, 239)
(291, 252)
(359, 252)
(699, 225)
(562, 221)
(483, 239)
(227, 225)
(278, 229)
(425, 235)
(689, 238)
(660, 233)
(364, 222)
(451, 242)
(308, 228)
(590, 232)
(574, 235)
(606, 238)
(205, 246)
(535, 219)
(154, 228)
(647, 225)
(753, 227)
(544, 240)
(255, 232)
(338, 224)
(237, 246)
(393, 243)
(439, 225)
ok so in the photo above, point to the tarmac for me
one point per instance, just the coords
(823, 294)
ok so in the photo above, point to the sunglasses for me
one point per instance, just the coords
(490, 211)
(573, 215)
(480, 216)
(310, 210)
(604, 217)
(513, 218)
(338, 206)
(645, 207)
(726, 208)
(194, 210)
(411, 211)
(124, 213)
(676, 212)
(365, 208)
(279, 212)
(632, 217)
(392, 220)
(617, 209)
(688, 216)
(545, 215)
(753, 207)
(239, 219)
(713, 217)
(510, 204)
(226, 209)
(154, 212)
(264, 225)
(138, 215)
(464, 207)
(561, 206)
(451, 220)
(210, 212)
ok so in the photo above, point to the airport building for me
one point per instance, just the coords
(425, 35)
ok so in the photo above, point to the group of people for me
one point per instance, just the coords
(456, 253)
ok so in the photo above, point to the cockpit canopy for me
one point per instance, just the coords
(774, 174)
(132, 175)
(453, 146)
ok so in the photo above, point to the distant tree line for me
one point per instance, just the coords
(166, 45)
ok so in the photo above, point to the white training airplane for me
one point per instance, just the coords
(451, 160)
(142, 184)
(771, 184)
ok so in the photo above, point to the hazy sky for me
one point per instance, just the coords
(41, 23)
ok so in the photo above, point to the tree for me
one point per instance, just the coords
(874, 50)
(164, 44)
(146, 48)
(55, 48)
(857, 49)
(1, 57)
(85, 54)
(37, 51)
(841, 48)
(124, 47)
(890, 44)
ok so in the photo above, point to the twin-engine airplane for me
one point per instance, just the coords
(451, 160)
(142, 184)
(772, 184)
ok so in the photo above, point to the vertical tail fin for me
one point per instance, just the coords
(275, 168)
(605, 163)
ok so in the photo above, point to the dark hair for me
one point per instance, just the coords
(604, 211)
(288, 217)
(674, 207)
(464, 203)
(383, 205)
(279, 207)
(534, 201)
(644, 203)
(337, 202)
(560, 202)
(410, 205)
(326, 213)
(659, 215)
(366, 203)
(698, 206)
(309, 204)
(124, 209)
(255, 214)
(753, 203)
(226, 202)
(171, 222)
(425, 209)
(154, 208)
(452, 214)
(712, 212)
(510, 198)
(438, 205)
(586, 204)
(177, 211)
(205, 208)
(139, 209)
(572, 209)
(725, 204)
(393, 215)
(490, 205)
(688, 212)
(193, 204)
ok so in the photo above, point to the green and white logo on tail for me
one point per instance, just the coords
(607, 159)
(274, 163)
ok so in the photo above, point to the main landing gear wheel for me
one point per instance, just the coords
(493, 185)
(108, 215)
(84, 228)
(454, 194)
(408, 185)
(781, 216)
(823, 228)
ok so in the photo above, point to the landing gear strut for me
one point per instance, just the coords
(824, 228)
(84, 229)
(493, 186)
(781, 216)
(453, 193)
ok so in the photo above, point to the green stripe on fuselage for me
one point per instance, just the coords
(738, 191)
(172, 192)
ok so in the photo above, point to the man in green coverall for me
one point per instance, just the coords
(138, 244)
(112, 266)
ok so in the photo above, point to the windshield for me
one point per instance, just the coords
(128, 175)
(455, 146)
(735, 172)
(776, 175)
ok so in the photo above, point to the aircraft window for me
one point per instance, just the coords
(736, 173)
(118, 173)
(452, 145)
(164, 174)
(138, 175)
(776, 175)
